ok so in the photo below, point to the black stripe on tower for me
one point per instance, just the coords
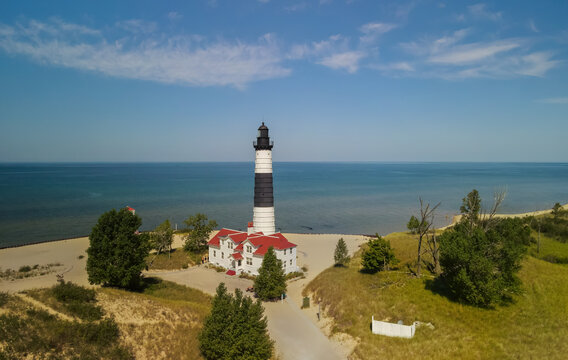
(263, 193)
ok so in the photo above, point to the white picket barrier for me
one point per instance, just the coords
(390, 329)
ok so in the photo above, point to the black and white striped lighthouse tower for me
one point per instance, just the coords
(263, 213)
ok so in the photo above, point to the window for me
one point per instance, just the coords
(290, 262)
(240, 262)
(230, 245)
(249, 261)
(214, 253)
(222, 255)
(284, 264)
(284, 251)
(249, 248)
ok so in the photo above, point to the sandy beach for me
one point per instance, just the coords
(285, 320)
(314, 251)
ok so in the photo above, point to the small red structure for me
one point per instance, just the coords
(231, 272)
(131, 210)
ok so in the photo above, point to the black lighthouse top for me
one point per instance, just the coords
(263, 140)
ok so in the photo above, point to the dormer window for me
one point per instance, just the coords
(249, 248)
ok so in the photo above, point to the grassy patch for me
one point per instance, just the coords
(27, 271)
(70, 299)
(533, 326)
(164, 310)
(34, 333)
(551, 250)
(177, 259)
(295, 274)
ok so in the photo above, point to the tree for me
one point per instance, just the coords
(341, 255)
(422, 228)
(235, 329)
(556, 209)
(480, 266)
(270, 282)
(474, 215)
(199, 230)
(470, 208)
(117, 252)
(162, 237)
(378, 255)
(413, 225)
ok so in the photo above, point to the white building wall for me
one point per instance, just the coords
(220, 256)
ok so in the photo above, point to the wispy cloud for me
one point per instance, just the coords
(471, 53)
(174, 15)
(179, 60)
(296, 7)
(557, 100)
(137, 26)
(451, 56)
(480, 11)
(371, 31)
(532, 26)
(347, 60)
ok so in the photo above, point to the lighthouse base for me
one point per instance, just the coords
(263, 220)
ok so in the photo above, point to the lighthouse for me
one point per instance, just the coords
(263, 212)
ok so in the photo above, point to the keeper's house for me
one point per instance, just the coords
(243, 252)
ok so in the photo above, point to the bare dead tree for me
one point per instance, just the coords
(434, 249)
(425, 223)
(488, 219)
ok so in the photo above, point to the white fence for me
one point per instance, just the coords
(389, 329)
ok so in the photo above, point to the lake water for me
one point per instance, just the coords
(42, 202)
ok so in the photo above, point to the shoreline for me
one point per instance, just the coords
(455, 219)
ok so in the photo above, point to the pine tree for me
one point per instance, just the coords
(215, 337)
(117, 253)
(270, 282)
(341, 256)
(378, 255)
(235, 329)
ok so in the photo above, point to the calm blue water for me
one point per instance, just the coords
(40, 202)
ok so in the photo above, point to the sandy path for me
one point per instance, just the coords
(297, 333)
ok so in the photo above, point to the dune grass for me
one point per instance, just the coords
(551, 250)
(160, 322)
(533, 326)
(30, 332)
(177, 259)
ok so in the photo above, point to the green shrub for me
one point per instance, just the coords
(4, 297)
(25, 268)
(294, 275)
(85, 311)
(378, 256)
(480, 266)
(78, 300)
(101, 333)
(68, 292)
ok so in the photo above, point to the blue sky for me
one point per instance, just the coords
(334, 80)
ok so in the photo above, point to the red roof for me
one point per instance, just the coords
(222, 233)
(237, 256)
(260, 241)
